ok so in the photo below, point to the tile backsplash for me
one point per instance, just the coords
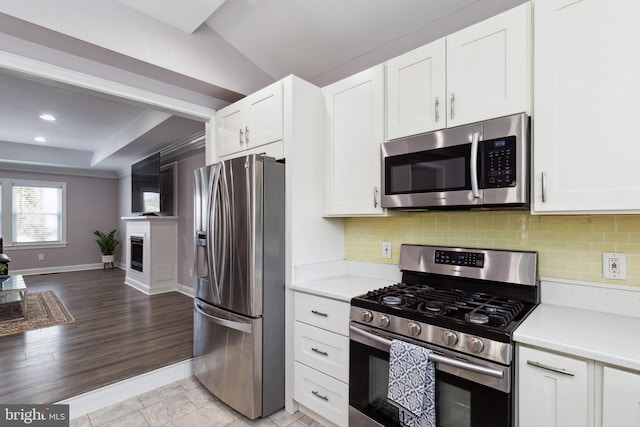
(569, 247)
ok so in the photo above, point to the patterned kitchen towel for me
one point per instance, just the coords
(412, 380)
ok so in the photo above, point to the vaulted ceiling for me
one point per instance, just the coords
(205, 52)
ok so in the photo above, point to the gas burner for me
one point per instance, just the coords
(477, 318)
(391, 300)
(432, 306)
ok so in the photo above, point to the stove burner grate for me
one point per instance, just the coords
(466, 306)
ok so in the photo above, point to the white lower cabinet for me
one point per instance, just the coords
(321, 353)
(554, 390)
(620, 398)
(565, 391)
(323, 350)
(321, 393)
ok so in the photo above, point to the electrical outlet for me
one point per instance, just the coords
(386, 249)
(40, 257)
(614, 265)
(191, 272)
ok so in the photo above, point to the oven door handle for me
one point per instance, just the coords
(436, 357)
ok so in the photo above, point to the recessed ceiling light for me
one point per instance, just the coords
(48, 117)
(40, 139)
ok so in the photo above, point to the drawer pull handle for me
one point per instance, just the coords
(316, 394)
(319, 313)
(324, 353)
(550, 368)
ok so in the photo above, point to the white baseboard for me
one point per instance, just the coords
(117, 392)
(58, 269)
(184, 289)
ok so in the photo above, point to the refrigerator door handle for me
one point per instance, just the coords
(225, 214)
(238, 326)
(213, 248)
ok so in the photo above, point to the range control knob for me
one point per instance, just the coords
(414, 329)
(366, 316)
(475, 344)
(449, 337)
(383, 321)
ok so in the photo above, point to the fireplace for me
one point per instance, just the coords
(137, 252)
(152, 253)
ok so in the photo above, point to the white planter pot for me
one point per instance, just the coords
(108, 258)
(107, 261)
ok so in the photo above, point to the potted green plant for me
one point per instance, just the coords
(108, 244)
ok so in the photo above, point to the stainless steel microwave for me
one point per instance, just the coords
(483, 164)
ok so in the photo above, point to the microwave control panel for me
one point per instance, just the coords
(499, 162)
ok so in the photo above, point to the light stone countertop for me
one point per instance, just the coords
(342, 287)
(604, 337)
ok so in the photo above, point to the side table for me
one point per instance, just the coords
(14, 290)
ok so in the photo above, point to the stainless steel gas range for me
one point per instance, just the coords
(464, 305)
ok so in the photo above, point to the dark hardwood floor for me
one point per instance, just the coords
(118, 333)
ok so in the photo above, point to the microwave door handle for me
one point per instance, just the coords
(474, 165)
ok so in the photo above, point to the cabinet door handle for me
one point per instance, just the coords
(324, 353)
(316, 394)
(375, 197)
(453, 100)
(246, 134)
(551, 368)
(544, 187)
(437, 110)
(240, 136)
(319, 313)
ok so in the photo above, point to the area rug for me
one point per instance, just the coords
(44, 309)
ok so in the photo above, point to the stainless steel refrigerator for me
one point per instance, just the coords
(238, 340)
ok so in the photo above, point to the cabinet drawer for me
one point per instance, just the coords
(324, 313)
(325, 351)
(321, 393)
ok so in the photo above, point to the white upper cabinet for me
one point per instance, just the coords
(478, 73)
(416, 92)
(251, 122)
(487, 68)
(230, 135)
(355, 129)
(586, 88)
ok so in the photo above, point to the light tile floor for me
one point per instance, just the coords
(184, 403)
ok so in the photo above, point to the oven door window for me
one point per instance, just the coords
(442, 169)
(459, 402)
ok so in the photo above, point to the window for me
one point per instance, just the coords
(33, 212)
